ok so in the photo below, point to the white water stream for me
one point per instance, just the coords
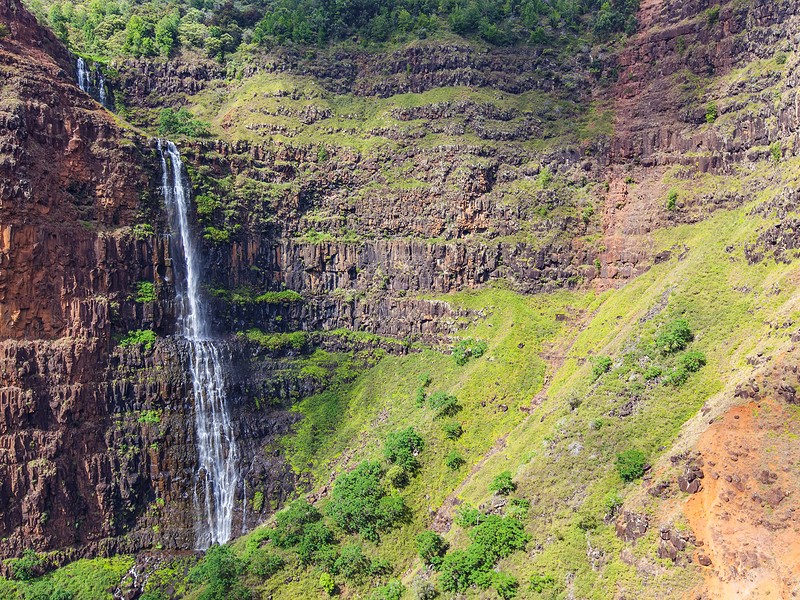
(216, 477)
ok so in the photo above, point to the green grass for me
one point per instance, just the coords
(85, 579)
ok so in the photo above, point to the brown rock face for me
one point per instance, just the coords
(96, 441)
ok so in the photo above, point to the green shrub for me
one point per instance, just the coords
(452, 430)
(454, 461)
(468, 348)
(587, 213)
(502, 484)
(712, 112)
(420, 397)
(316, 538)
(144, 337)
(468, 516)
(284, 296)
(461, 568)
(518, 509)
(144, 292)
(180, 122)
(672, 199)
(258, 501)
(693, 361)
(499, 536)
(274, 342)
(677, 376)
(216, 235)
(220, 570)
(431, 548)
(143, 231)
(27, 567)
(506, 585)
(397, 476)
(351, 564)
(652, 372)
(712, 16)
(542, 583)
(322, 154)
(291, 522)
(327, 584)
(149, 416)
(402, 448)
(359, 504)
(444, 404)
(393, 590)
(263, 563)
(775, 152)
(601, 365)
(781, 58)
(630, 464)
(674, 336)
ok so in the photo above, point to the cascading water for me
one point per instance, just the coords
(84, 82)
(216, 478)
(91, 81)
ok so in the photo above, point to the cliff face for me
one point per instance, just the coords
(542, 175)
(81, 468)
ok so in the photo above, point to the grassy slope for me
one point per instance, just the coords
(729, 305)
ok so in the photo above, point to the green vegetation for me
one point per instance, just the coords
(454, 460)
(143, 231)
(775, 152)
(219, 571)
(630, 464)
(75, 581)
(468, 348)
(711, 112)
(431, 547)
(149, 28)
(144, 292)
(402, 448)
(672, 199)
(443, 404)
(276, 342)
(180, 122)
(360, 504)
(149, 416)
(503, 484)
(674, 336)
(452, 430)
(493, 539)
(139, 337)
(601, 365)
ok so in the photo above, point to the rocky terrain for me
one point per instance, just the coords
(361, 212)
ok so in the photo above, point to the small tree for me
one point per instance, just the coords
(503, 484)
(402, 448)
(711, 112)
(454, 460)
(630, 464)
(431, 547)
(452, 430)
(327, 583)
(601, 365)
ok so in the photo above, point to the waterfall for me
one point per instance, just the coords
(83, 76)
(216, 478)
(101, 89)
(91, 81)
